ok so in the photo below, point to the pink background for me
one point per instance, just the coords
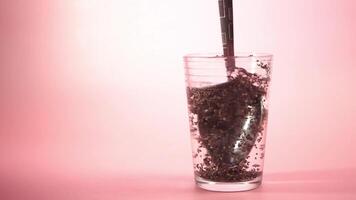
(93, 97)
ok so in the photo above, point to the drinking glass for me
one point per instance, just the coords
(228, 111)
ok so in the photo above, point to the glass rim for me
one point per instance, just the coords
(238, 55)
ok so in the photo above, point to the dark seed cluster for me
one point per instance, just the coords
(227, 121)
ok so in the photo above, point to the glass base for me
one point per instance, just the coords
(228, 186)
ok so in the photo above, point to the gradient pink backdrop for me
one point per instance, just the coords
(95, 88)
